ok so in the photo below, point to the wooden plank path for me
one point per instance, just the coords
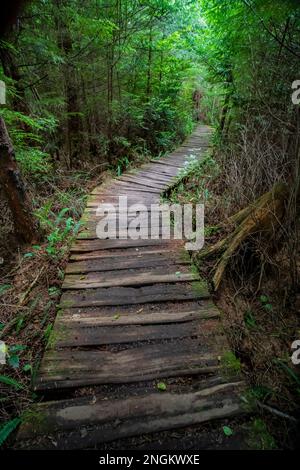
(133, 313)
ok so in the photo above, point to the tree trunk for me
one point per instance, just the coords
(74, 123)
(149, 71)
(26, 226)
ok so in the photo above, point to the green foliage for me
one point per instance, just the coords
(227, 431)
(47, 334)
(260, 393)
(4, 288)
(13, 353)
(211, 230)
(122, 165)
(197, 172)
(266, 303)
(199, 168)
(8, 428)
(141, 69)
(250, 319)
(161, 386)
(259, 436)
(60, 226)
(11, 382)
(27, 368)
(291, 374)
(26, 133)
(231, 365)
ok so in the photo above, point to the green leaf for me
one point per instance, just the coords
(28, 255)
(8, 428)
(268, 307)
(264, 299)
(227, 431)
(14, 361)
(19, 325)
(36, 247)
(27, 368)
(11, 382)
(249, 319)
(2, 325)
(161, 386)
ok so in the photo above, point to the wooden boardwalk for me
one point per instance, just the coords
(134, 318)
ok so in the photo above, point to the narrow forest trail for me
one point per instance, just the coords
(133, 315)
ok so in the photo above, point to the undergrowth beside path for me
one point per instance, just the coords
(260, 317)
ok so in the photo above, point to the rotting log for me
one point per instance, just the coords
(262, 217)
(26, 226)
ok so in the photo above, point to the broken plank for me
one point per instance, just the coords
(72, 368)
(67, 421)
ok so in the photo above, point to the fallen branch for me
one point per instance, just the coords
(276, 412)
(263, 216)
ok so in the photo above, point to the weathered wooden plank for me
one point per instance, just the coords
(145, 231)
(144, 182)
(162, 249)
(96, 200)
(90, 213)
(138, 188)
(167, 164)
(162, 169)
(150, 175)
(138, 198)
(142, 178)
(96, 317)
(128, 262)
(78, 334)
(135, 295)
(86, 422)
(141, 220)
(133, 181)
(81, 246)
(127, 277)
(72, 368)
(134, 188)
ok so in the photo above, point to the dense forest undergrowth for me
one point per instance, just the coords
(95, 88)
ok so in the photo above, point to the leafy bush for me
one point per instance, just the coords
(27, 135)
(59, 227)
